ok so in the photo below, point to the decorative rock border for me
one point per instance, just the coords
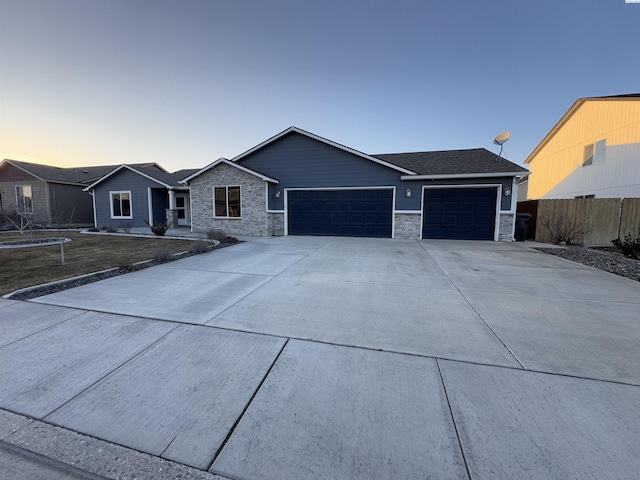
(35, 242)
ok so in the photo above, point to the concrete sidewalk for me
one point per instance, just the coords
(310, 357)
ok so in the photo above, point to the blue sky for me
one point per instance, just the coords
(181, 83)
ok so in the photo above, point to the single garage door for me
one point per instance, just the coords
(459, 213)
(350, 213)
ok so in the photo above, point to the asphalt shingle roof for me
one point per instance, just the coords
(76, 175)
(452, 162)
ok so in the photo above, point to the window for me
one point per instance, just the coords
(120, 204)
(24, 198)
(226, 202)
(594, 153)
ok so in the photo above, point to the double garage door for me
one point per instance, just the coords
(453, 213)
(351, 213)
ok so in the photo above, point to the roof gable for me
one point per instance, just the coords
(231, 164)
(571, 112)
(322, 140)
(152, 172)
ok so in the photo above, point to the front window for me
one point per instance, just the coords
(226, 202)
(24, 198)
(120, 204)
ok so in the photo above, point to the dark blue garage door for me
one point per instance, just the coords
(459, 213)
(351, 213)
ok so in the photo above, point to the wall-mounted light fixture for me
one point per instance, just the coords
(277, 193)
(507, 192)
(408, 192)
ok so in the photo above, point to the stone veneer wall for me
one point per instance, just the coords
(276, 224)
(407, 225)
(505, 230)
(255, 219)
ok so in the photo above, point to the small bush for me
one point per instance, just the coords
(127, 227)
(158, 230)
(629, 246)
(216, 234)
(562, 229)
(199, 246)
(127, 267)
(230, 240)
(162, 255)
(110, 229)
(93, 229)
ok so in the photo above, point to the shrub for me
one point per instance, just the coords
(629, 246)
(216, 234)
(127, 227)
(162, 255)
(92, 229)
(127, 266)
(199, 246)
(111, 229)
(563, 229)
(159, 229)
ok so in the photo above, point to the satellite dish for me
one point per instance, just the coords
(502, 138)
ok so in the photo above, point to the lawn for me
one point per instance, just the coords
(26, 267)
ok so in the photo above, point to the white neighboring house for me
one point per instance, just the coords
(592, 152)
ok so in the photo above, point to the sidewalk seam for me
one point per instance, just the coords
(233, 427)
(453, 420)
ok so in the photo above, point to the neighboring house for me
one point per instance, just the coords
(592, 152)
(132, 195)
(50, 194)
(297, 183)
(523, 189)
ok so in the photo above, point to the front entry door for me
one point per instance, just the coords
(182, 207)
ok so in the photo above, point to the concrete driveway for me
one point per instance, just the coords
(322, 357)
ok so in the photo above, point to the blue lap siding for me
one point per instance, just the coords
(298, 161)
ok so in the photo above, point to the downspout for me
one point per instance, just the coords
(150, 205)
(93, 200)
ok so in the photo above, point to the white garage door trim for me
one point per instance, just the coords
(286, 202)
(478, 185)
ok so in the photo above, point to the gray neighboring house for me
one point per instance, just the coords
(131, 195)
(51, 194)
(297, 183)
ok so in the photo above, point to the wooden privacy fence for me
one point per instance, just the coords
(603, 218)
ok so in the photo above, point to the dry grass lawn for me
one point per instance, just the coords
(26, 267)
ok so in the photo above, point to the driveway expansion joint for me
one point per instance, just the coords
(232, 429)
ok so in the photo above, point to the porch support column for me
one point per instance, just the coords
(171, 212)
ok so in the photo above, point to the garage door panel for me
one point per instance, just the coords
(340, 212)
(459, 213)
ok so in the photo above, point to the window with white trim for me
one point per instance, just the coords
(24, 198)
(120, 204)
(226, 202)
(594, 153)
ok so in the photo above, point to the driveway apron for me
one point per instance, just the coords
(325, 357)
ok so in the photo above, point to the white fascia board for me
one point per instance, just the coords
(325, 141)
(116, 170)
(461, 175)
(231, 164)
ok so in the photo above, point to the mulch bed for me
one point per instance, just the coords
(608, 261)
